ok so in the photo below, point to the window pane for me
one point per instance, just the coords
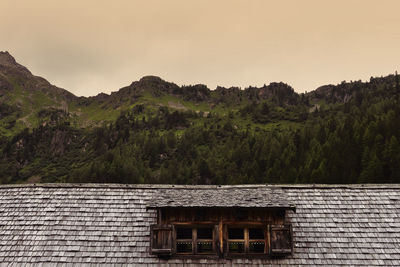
(183, 233)
(235, 233)
(204, 247)
(204, 233)
(236, 247)
(183, 246)
(256, 233)
(256, 247)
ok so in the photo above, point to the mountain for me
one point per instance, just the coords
(28, 101)
(22, 95)
(154, 131)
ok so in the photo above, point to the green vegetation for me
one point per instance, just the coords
(157, 132)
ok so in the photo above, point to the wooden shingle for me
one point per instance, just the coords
(60, 224)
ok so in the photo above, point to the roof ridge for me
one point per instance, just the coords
(204, 187)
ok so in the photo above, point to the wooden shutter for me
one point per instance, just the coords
(161, 241)
(281, 242)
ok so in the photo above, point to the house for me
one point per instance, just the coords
(173, 225)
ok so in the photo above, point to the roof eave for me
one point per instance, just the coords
(293, 208)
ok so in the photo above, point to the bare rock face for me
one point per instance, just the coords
(341, 93)
(11, 71)
(6, 59)
(4, 85)
(151, 79)
(60, 141)
(155, 85)
(8, 65)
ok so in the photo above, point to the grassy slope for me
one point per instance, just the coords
(95, 114)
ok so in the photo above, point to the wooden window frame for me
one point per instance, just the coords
(220, 240)
(246, 239)
(195, 240)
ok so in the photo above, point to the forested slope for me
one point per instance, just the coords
(153, 131)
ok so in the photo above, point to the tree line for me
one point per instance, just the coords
(352, 142)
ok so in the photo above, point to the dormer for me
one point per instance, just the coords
(225, 222)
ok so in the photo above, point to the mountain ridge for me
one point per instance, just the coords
(158, 86)
(154, 131)
(28, 95)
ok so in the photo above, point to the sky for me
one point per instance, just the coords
(93, 46)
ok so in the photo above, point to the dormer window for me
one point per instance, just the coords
(184, 240)
(246, 240)
(236, 240)
(257, 240)
(195, 240)
(219, 231)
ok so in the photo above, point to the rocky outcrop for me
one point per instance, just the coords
(13, 74)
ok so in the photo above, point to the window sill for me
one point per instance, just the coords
(194, 256)
(248, 256)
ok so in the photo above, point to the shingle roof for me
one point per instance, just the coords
(234, 197)
(109, 225)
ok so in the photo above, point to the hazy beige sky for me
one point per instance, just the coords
(96, 46)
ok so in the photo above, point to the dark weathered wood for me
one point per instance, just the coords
(196, 215)
(221, 236)
(267, 238)
(281, 239)
(244, 223)
(161, 241)
(194, 223)
(159, 216)
(216, 239)
(246, 239)
(196, 256)
(221, 220)
(194, 237)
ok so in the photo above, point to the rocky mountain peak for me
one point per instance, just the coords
(153, 84)
(8, 64)
(14, 74)
(151, 78)
(6, 59)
